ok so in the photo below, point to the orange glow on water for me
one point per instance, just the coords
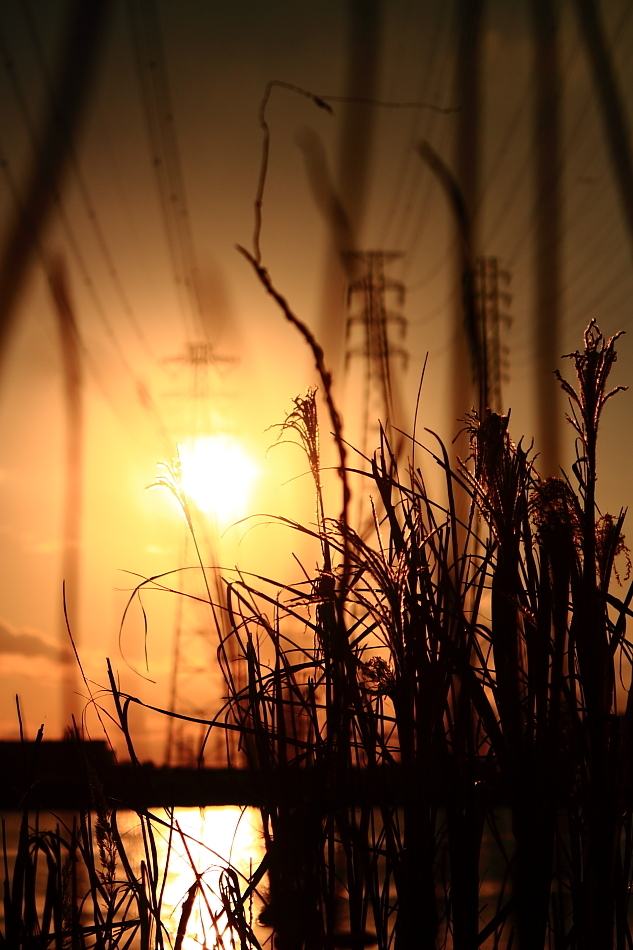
(204, 842)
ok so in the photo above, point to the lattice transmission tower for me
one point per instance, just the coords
(491, 299)
(194, 676)
(372, 358)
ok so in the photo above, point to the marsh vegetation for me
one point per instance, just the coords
(454, 683)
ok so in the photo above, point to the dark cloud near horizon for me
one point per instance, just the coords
(26, 644)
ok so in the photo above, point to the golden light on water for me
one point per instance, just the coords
(203, 844)
(218, 475)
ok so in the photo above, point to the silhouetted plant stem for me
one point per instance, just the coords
(326, 380)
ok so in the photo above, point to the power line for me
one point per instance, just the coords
(44, 177)
(398, 207)
(165, 154)
(610, 98)
(22, 213)
(75, 166)
(141, 387)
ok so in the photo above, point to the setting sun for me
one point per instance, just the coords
(217, 474)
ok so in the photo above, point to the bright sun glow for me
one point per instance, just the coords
(218, 475)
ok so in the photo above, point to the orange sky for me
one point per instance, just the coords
(219, 58)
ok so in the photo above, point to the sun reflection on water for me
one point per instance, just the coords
(204, 842)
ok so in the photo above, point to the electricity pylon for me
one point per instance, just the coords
(194, 672)
(371, 348)
(489, 289)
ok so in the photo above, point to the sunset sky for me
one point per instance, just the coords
(135, 326)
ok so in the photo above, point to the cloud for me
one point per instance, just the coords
(27, 541)
(26, 643)
(44, 547)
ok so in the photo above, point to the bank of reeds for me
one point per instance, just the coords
(440, 718)
(432, 679)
